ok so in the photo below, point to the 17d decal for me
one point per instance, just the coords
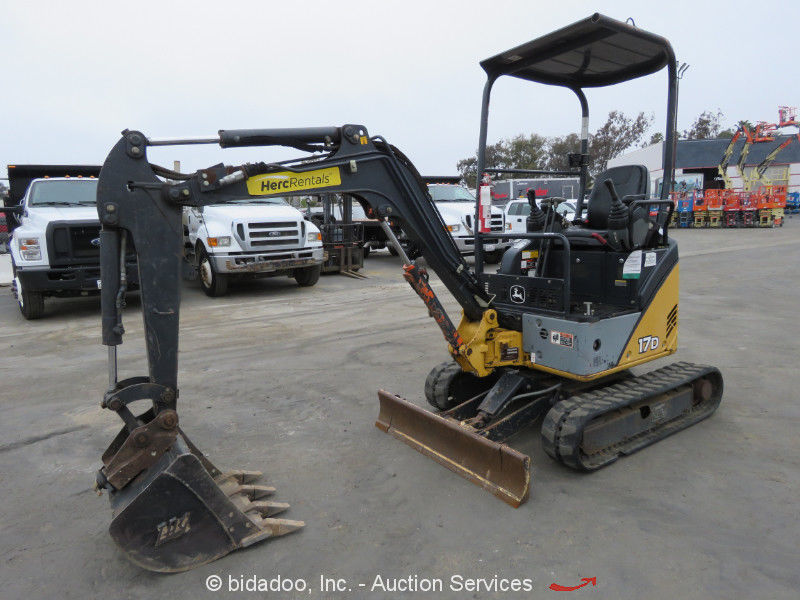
(648, 342)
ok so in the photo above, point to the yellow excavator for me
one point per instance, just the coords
(553, 333)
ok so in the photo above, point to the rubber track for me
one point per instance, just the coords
(437, 384)
(562, 428)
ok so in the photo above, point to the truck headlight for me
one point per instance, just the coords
(314, 236)
(29, 249)
(219, 241)
(453, 228)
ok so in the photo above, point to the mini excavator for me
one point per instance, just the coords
(553, 333)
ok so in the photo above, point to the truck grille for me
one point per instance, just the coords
(275, 235)
(497, 222)
(77, 243)
(73, 243)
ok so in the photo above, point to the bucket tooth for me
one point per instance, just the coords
(281, 526)
(241, 476)
(231, 486)
(254, 492)
(267, 509)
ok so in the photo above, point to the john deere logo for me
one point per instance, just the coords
(517, 294)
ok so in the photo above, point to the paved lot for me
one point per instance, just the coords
(284, 379)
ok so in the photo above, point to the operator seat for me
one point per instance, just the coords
(632, 182)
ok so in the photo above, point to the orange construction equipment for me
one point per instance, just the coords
(732, 208)
(749, 204)
(714, 205)
(700, 210)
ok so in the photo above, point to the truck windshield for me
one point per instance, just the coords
(450, 193)
(64, 192)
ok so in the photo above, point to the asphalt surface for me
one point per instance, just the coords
(284, 379)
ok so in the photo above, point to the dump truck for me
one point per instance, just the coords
(55, 235)
(553, 334)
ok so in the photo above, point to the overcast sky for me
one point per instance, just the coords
(77, 73)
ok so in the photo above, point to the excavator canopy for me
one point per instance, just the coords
(594, 52)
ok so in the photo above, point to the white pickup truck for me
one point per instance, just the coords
(251, 237)
(456, 204)
(55, 239)
(517, 211)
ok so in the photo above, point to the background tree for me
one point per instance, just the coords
(654, 139)
(520, 152)
(536, 152)
(616, 135)
(559, 149)
(708, 125)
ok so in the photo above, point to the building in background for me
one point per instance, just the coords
(697, 161)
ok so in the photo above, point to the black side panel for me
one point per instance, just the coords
(597, 276)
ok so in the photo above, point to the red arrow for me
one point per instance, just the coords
(586, 581)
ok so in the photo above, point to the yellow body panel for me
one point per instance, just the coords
(488, 346)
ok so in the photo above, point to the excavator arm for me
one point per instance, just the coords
(212, 513)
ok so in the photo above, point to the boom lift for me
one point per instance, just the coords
(555, 331)
(764, 132)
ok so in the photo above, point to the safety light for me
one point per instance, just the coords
(452, 228)
(29, 249)
(219, 241)
(314, 236)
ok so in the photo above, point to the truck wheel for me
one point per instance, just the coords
(214, 284)
(307, 276)
(392, 249)
(31, 304)
(365, 251)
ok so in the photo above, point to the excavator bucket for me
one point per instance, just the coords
(183, 512)
(496, 467)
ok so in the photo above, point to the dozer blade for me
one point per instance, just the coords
(183, 512)
(495, 467)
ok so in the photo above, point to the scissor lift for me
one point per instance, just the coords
(731, 209)
(714, 206)
(700, 210)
